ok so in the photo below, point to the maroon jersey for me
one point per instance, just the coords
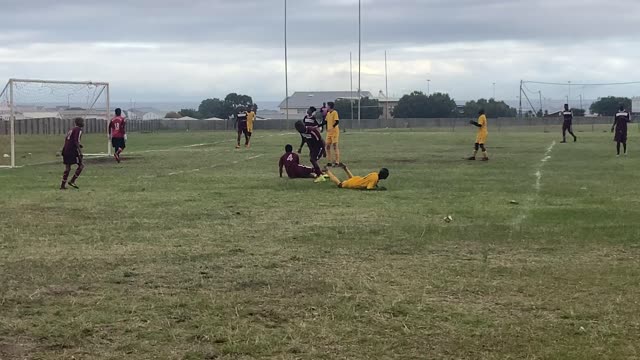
(116, 127)
(72, 142)
(290, 161)
(313, 138)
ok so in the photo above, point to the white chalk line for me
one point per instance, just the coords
(203, 168)
(530, 201)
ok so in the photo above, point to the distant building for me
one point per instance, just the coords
(143, 114)
(300, 101)
(635, 105)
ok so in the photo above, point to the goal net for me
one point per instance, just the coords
(35, 116)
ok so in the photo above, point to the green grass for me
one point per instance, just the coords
(204, 253)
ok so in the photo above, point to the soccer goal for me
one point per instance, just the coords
(35, 115)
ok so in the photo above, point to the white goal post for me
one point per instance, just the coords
(31, 107)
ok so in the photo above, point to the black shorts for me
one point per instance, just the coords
(621, 136)
(72, 159)
(566, 126)
(316, 154)
(118, 143)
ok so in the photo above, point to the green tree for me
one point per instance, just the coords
(370, 108)
(224, 108)
(579, 112)
(493, 109)
(419, 105)
(608, 106)
(191, 113)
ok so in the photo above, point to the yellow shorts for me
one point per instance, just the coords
(481, 139)
(333, 136)
(250, 127)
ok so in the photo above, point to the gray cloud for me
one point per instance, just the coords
(192, 48)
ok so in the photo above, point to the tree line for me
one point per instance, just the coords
(416, 105)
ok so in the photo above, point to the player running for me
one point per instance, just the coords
(291, 162)
(241, 125)
(251, 118)
(620, 122)
(481, 136)
(567, 124)
(369, 182)
(316, 145)
(117, 134)
(72, 154)
(333, 134)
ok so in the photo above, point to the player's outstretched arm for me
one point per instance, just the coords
(475, 123)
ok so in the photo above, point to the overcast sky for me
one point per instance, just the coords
(192, 49)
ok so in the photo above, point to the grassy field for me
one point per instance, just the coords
(202, 252)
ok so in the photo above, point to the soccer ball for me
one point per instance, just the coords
(448, 219)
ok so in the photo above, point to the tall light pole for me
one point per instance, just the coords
(428, 87)
(359, 62)
(286, 65)
(569, 94)
(386, 85)
(351, 82)
(494, 91)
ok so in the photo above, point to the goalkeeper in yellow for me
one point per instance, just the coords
(481, 137)
(369, 182)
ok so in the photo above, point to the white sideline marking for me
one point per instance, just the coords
(528, 204)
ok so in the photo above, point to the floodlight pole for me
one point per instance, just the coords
(12, 117)
(351, 84)
(386, 85)
(359, 63)
(520, 98)
(286, 66)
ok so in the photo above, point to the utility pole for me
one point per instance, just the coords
(351, 88)
(428, 87)
(359, 63)
(520, 97)
(286, 65)
(540, 94)
(494, 91)
(386, 85)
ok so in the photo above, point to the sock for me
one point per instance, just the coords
(618, 148)
(65, 175)
(625, 147)
(337, 151)
(475, 152)
(484, 153)
(328, 154)
(77, 174)
(119, 151)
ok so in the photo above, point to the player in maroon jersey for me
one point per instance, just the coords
(620, 122)
(117, 134)
(291, 162)
(72, 154)
(316, 145)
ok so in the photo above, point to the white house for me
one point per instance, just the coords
(300, 101)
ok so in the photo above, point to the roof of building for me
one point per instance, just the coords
(304, 99)
(186, 118)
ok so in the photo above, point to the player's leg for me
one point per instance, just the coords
(328, 150)
(476, 147)
(65, 176)
(485, 156)
(564, 132)
(239, 136)
(624, 145)
(570, 129)
(76, 175)
(248, 138)
(334, 179)
(346, 170)
(336, 150)
(314, 157)
(618, 147)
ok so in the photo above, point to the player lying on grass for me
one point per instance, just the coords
(117, 134)
(369, 182)
(291, 162)
(314, 141)
(481, 136)
(620, 122)
(72, 154)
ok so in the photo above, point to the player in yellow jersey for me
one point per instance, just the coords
(481, 137)
(251, 118)
(369, 182)
(333, 134)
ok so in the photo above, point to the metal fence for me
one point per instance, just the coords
(51, 126)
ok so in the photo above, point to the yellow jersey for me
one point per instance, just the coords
(332, 117)
(482, 120)
(368, 182)
(251, 117)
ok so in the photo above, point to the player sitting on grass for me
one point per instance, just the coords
(117, 134)
(72, 154)
(620, 126)
(481, 137)
(314, 141)
(369, 182)
(241, 125)
(291, 162)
